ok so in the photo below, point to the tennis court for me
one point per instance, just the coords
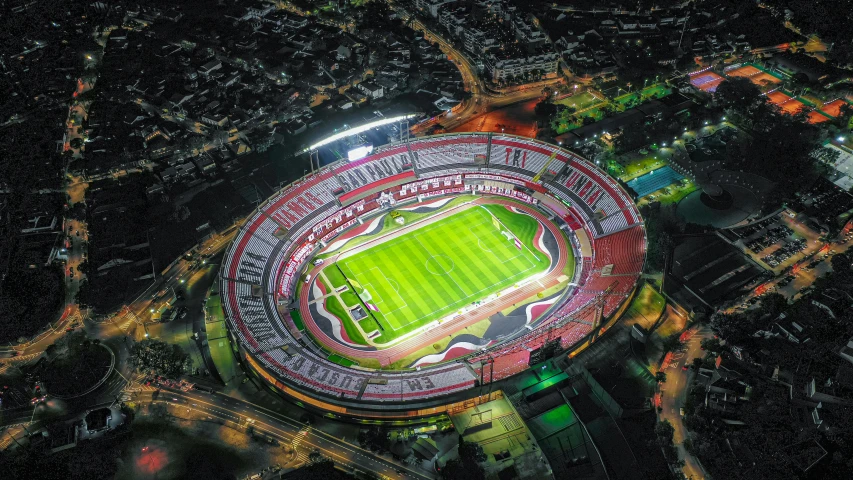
(706, 81)
(787, 103)
(817, 117)
(755, 75)
(833, 108)
(654, 181)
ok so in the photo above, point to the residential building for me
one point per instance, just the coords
(502, 70)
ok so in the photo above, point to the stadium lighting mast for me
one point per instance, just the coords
(313, 150)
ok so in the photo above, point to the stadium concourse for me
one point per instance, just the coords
(269, 257)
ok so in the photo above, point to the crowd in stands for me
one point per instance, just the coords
(261, 265)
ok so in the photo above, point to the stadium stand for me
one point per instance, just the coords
(624, 250)
(271, 249)
(446, 151)
(523, 156)
(382, 165)
(451, 379)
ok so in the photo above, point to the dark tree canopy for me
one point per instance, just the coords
(159, 358)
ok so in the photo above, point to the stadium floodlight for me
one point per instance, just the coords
(357, 130)
(359, 152)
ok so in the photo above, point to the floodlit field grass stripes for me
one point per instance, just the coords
(430, 272)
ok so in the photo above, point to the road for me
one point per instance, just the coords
(287, 431)
(483, 99)
(674, 393)
(140, 318)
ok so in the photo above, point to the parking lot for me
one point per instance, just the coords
(779, 242)
(794, 275)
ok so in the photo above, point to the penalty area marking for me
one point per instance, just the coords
(379, 300)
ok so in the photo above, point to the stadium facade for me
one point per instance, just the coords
(272, 253)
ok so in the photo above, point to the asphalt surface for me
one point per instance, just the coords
(140, 319)
(674, 393)
(483, 99)
(302, 437)
(119, 332)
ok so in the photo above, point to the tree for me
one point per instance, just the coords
(672, 342)
(664, 431)
(738, 93)
(315, 456)
(711, 345)
(374, 439)
(467, 465)
(471, 451)
(660, 377)
(842, 121)
(545, 110)
(698, 362)
(841, 268)
(155, 357)
(773, 304)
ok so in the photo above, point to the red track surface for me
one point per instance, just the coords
(399, 351)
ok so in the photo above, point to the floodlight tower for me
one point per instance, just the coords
(404, 129)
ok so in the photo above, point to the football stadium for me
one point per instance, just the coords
(416, 278)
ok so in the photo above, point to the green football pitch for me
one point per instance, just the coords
(430, 272)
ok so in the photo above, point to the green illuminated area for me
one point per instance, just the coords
(436, 270)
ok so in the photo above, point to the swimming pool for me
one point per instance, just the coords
(654, 180)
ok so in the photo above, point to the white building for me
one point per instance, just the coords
(453, 20)
(432, 6)
(503, 69)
